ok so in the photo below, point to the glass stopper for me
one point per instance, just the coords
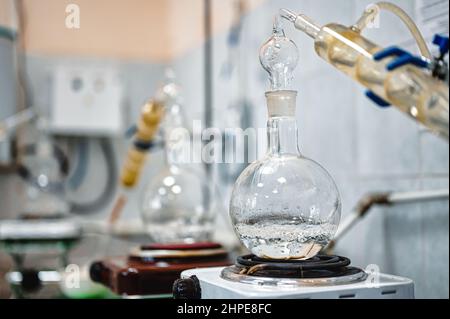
(279, 57)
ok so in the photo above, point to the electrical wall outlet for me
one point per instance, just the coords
(86, 101)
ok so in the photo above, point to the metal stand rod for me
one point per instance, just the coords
(384, 199)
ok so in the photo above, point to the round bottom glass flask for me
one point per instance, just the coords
(284, 206)
(177, 204)
(45, 177)
(176, 207)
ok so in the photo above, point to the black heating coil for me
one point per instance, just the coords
(321, 266)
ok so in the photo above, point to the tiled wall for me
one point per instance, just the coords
(363, 147)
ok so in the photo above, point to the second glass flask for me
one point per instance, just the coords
(177, 205)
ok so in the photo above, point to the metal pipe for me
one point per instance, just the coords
(208, 86)
(9, 124)
(208, 67)
(417, 196)
(383, 199)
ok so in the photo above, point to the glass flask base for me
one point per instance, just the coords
(176, 232)
(280, 239)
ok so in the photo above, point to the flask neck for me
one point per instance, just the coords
(174, 133)
(174, 148)
(282, 130)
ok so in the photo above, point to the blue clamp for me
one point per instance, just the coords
(402, 58)
(377, 99)
(442, 42)
(143, 145)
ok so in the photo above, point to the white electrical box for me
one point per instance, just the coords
(86, 101)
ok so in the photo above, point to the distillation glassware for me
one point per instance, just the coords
(412, 90)
(176, 205)
(44, 194)
(284, 206)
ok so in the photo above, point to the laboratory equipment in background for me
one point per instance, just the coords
(44, 231)
(177, 205)
(286, 209)
(165, 106)
(177, 213)
(39, 249)
(42, 236)
(150, 270)
(417, 86)
(146, 130)
(44, 167)
(40, 239)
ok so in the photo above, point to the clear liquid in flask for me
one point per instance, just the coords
(284, 238)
